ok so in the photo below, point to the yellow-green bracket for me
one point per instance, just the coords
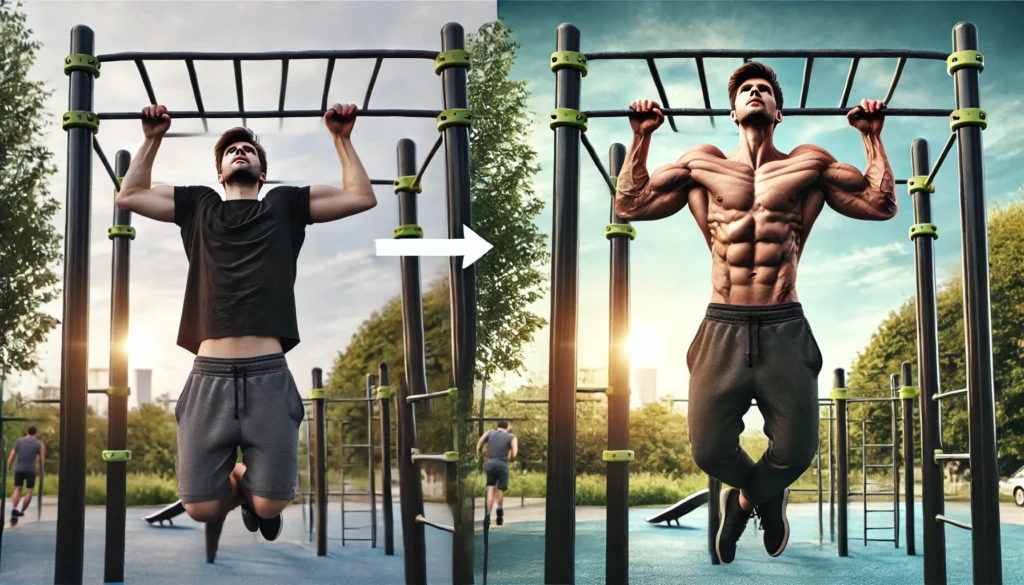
(454, 117)
(965, 60)
(909, 392)
(408, 184)
(968, 117)
(406, 232)
(919, 184)
(386, 392)
(569, 117)
(620, 230)
(317, 394)
(82, 62)
(81, 119)
(569, 60)
(453, 58)
(121, 231)
(618, 456)
(116, 456)
(119, 391)
(921, 230)
(840, 394)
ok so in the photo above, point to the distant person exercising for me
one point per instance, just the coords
(755, 208)
(27, 450)
(502, 445)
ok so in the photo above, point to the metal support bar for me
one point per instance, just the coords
(319, 483)
(842, 462)
(695, 112)
(767, 54)
(382, 113)
(950, 394)
(424, 522)
(661, 92)
(958, 524)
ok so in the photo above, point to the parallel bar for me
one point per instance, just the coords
(424, 522)
(373, 82)
(950, 394)
(952, 456)
(767, 54)
(560, 500)
(957, 523)
(617, 482)
(271, 55)
(69, 552)
(805, 85)
(117, 406)
(145, 81)
(194, 80)
(889, 112)
(661, 92)
(384, 113)
(848, 87)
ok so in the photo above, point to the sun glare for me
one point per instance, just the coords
(643, 346)
(140, 348)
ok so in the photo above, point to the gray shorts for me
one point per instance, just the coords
(497, 474)
(250, 404)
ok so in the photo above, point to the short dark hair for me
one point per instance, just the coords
(503, 424)
(32, 430)
(753, 70)
(240, 134)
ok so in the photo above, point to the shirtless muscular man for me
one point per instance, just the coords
(755, 207)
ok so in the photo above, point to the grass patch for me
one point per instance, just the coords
(141, 489)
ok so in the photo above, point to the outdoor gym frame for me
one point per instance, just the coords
(966, 123)
(81, 123)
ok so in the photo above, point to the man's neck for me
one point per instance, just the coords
(234, 191)
(757, 146)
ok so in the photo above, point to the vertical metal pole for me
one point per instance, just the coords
(69, 553)
(320, 463)
(410, 489)
(864, 474)
(831, 476)
(455, 83)
(894, 385)
(932, 498)
(714, 509)
(839, 395)
(988, 564)
(309, 472)
(386, 498)
(343, 461)
(371, 382)
(821, 526)
(617, 506)
(560, 512)
(117, 426)
(906, 394)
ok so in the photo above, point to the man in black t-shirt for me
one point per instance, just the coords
(238, 317)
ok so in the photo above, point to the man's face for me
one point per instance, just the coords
(755, 104)
(241, 164)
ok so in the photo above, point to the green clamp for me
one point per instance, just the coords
(82, 62)
(840, 394)
(386, 392)
(569, 60)
(317, 394)
(408, 184)
(116, 456)
(620, 230)
(454, 58)
(919, 230)
(120, 182)
(451, 456)
(919, 184)
(909, 392)
(968, 117)
(121, 231)
(405, 232)
(452, 392)
(119, 391)
(81, 119)
(609, 391)
(454, 117)
(568, 117)
(965, 60)
(618, 456)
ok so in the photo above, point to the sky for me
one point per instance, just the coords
(853, 273)
(340, 281)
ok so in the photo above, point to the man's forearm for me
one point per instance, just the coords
(881, 184)
(353, 175)
(634, 178)
(140, 171)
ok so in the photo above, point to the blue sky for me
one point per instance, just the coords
(853, 272)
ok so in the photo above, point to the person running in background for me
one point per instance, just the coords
(502, 445)
(26, 449)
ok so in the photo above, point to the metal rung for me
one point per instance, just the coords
(355, 446)
(421, 520)
(592, 390)
(357, 493)
(878, 465)
(448, 457)
(889, 511)
(957, 523)
(356, 511)
(878, 528)
(355, 528)
(347, 538)
(871, 493)
(889, 446)
(880, 539)
(952, 456)
(949, 394)
(449, 393)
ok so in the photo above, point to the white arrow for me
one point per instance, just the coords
(472, 247)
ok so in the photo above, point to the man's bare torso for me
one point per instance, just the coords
(755, 220)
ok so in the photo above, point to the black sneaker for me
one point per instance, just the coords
(501, 517)
(732, 520)
(213, 530)
(271, 528)
(775, 524)
(250, 519)
(16, 513)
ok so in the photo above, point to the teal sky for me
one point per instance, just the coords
(853, 272)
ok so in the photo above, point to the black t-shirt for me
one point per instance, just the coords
(241, 264)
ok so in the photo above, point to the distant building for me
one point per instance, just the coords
(646, 384)
(143, 389)
(47, 392)
(99, 379)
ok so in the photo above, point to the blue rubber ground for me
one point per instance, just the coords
(658, 554)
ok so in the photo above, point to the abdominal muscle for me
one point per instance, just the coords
(754, 258)
(240, 347)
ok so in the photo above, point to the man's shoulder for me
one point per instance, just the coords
(702, 152)
(812, 151)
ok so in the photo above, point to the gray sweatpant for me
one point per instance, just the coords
(766, 354)
(227, 404)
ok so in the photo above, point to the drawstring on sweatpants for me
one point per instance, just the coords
(753, 338)
(234, 375)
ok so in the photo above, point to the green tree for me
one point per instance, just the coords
(29, 245)
(896, 341)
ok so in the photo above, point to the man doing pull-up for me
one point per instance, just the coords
(755, 207)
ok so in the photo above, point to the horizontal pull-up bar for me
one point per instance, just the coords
(382, 113)
(272, 55)
(769, 53)
(916, 112)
